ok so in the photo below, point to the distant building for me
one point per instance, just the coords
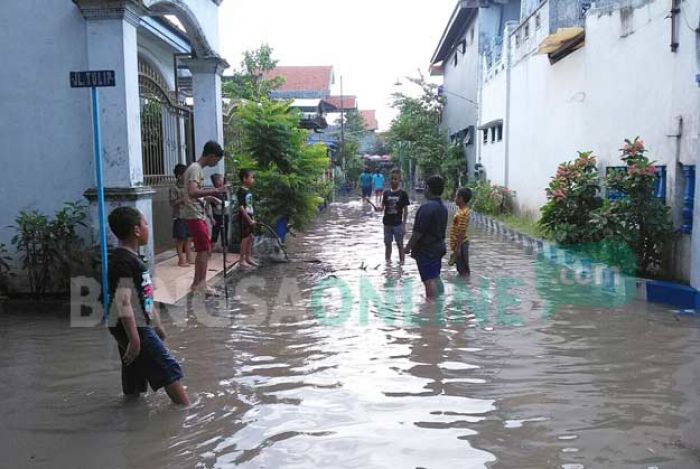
(166, 103)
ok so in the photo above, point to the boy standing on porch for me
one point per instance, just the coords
(246, 217)
(195, 214)
(180, 233)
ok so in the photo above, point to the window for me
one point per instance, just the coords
(517, 39)
(499, 132)
(454, 60)
(538, 21)
(471, 35)
(526, 31)
(463, 46)
(486, 136)
(493, 134)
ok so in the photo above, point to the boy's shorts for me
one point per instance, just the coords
(155, 365)
(462, 258)
(180, 231)
(199, 231)
(366, 191)
(378, 191)
(429, 270)
(393, 233)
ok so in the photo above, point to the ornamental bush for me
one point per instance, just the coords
(572, 199)
(638, 218)
(491, 199)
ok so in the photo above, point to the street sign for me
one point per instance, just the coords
(92, 78)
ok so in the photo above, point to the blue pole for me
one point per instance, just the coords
(97, 136)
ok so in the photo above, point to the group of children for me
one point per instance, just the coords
(427, 243)
(193, 209)
(372, 182)
(134, 320)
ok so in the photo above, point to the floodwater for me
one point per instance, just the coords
(294, 380)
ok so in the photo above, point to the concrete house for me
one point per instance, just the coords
(574, 76)
(473, 31)
(166, 103)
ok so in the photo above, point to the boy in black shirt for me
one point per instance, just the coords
(134, 321)
(394, 203)
(427, 243)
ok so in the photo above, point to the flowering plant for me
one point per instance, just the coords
(572, 198)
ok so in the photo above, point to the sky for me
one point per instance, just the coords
(370, 43)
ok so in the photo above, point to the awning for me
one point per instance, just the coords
(490, 124)
(562, 39)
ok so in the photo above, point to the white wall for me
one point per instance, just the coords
(613, 88)
(493, 107)
(46, 133)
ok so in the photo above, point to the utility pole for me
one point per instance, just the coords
(342, 126)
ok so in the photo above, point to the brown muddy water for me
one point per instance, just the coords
(284, 377)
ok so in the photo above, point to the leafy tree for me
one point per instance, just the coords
(289, 180)
(418, 123)
(249, 82)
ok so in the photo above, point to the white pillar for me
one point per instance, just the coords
(208, 104)
(112, 45)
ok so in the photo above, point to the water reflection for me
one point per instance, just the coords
(484, 379)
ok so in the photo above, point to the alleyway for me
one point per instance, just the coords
(287, 378)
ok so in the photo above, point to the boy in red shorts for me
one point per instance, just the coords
(195, 214)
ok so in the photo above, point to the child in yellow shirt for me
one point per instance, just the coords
(459, 233)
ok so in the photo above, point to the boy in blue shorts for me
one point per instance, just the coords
(394, 204)
(427, 243)
(134, 321)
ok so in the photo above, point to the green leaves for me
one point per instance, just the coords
(575, 214)
(289, 172)
(49, 246)
(418, 123)
(491, 199)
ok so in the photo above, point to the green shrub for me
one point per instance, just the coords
(638, 218)
(290, 173)
(491, 199)
(50, 249)
(572, 198)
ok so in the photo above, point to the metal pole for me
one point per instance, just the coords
(97, 136)
(342, 127)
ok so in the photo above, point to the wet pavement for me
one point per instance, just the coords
(335, 360)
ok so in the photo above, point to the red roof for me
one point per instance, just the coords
(370, 119)
(348, 102)
(303, 78)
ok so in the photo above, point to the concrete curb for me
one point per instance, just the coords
(678, 295)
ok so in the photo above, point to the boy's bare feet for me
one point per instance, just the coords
(180, 264)
(252, 262)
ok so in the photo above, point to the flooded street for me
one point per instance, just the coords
(289, 378)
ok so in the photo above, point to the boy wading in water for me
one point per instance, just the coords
(378, 183)
(195, 214)
(180, 233)
(246, 216)
(366, 184)
(459, 233)
(427, 243)
(134, 321)
(394, 203)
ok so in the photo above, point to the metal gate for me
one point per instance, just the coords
(167, 130)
